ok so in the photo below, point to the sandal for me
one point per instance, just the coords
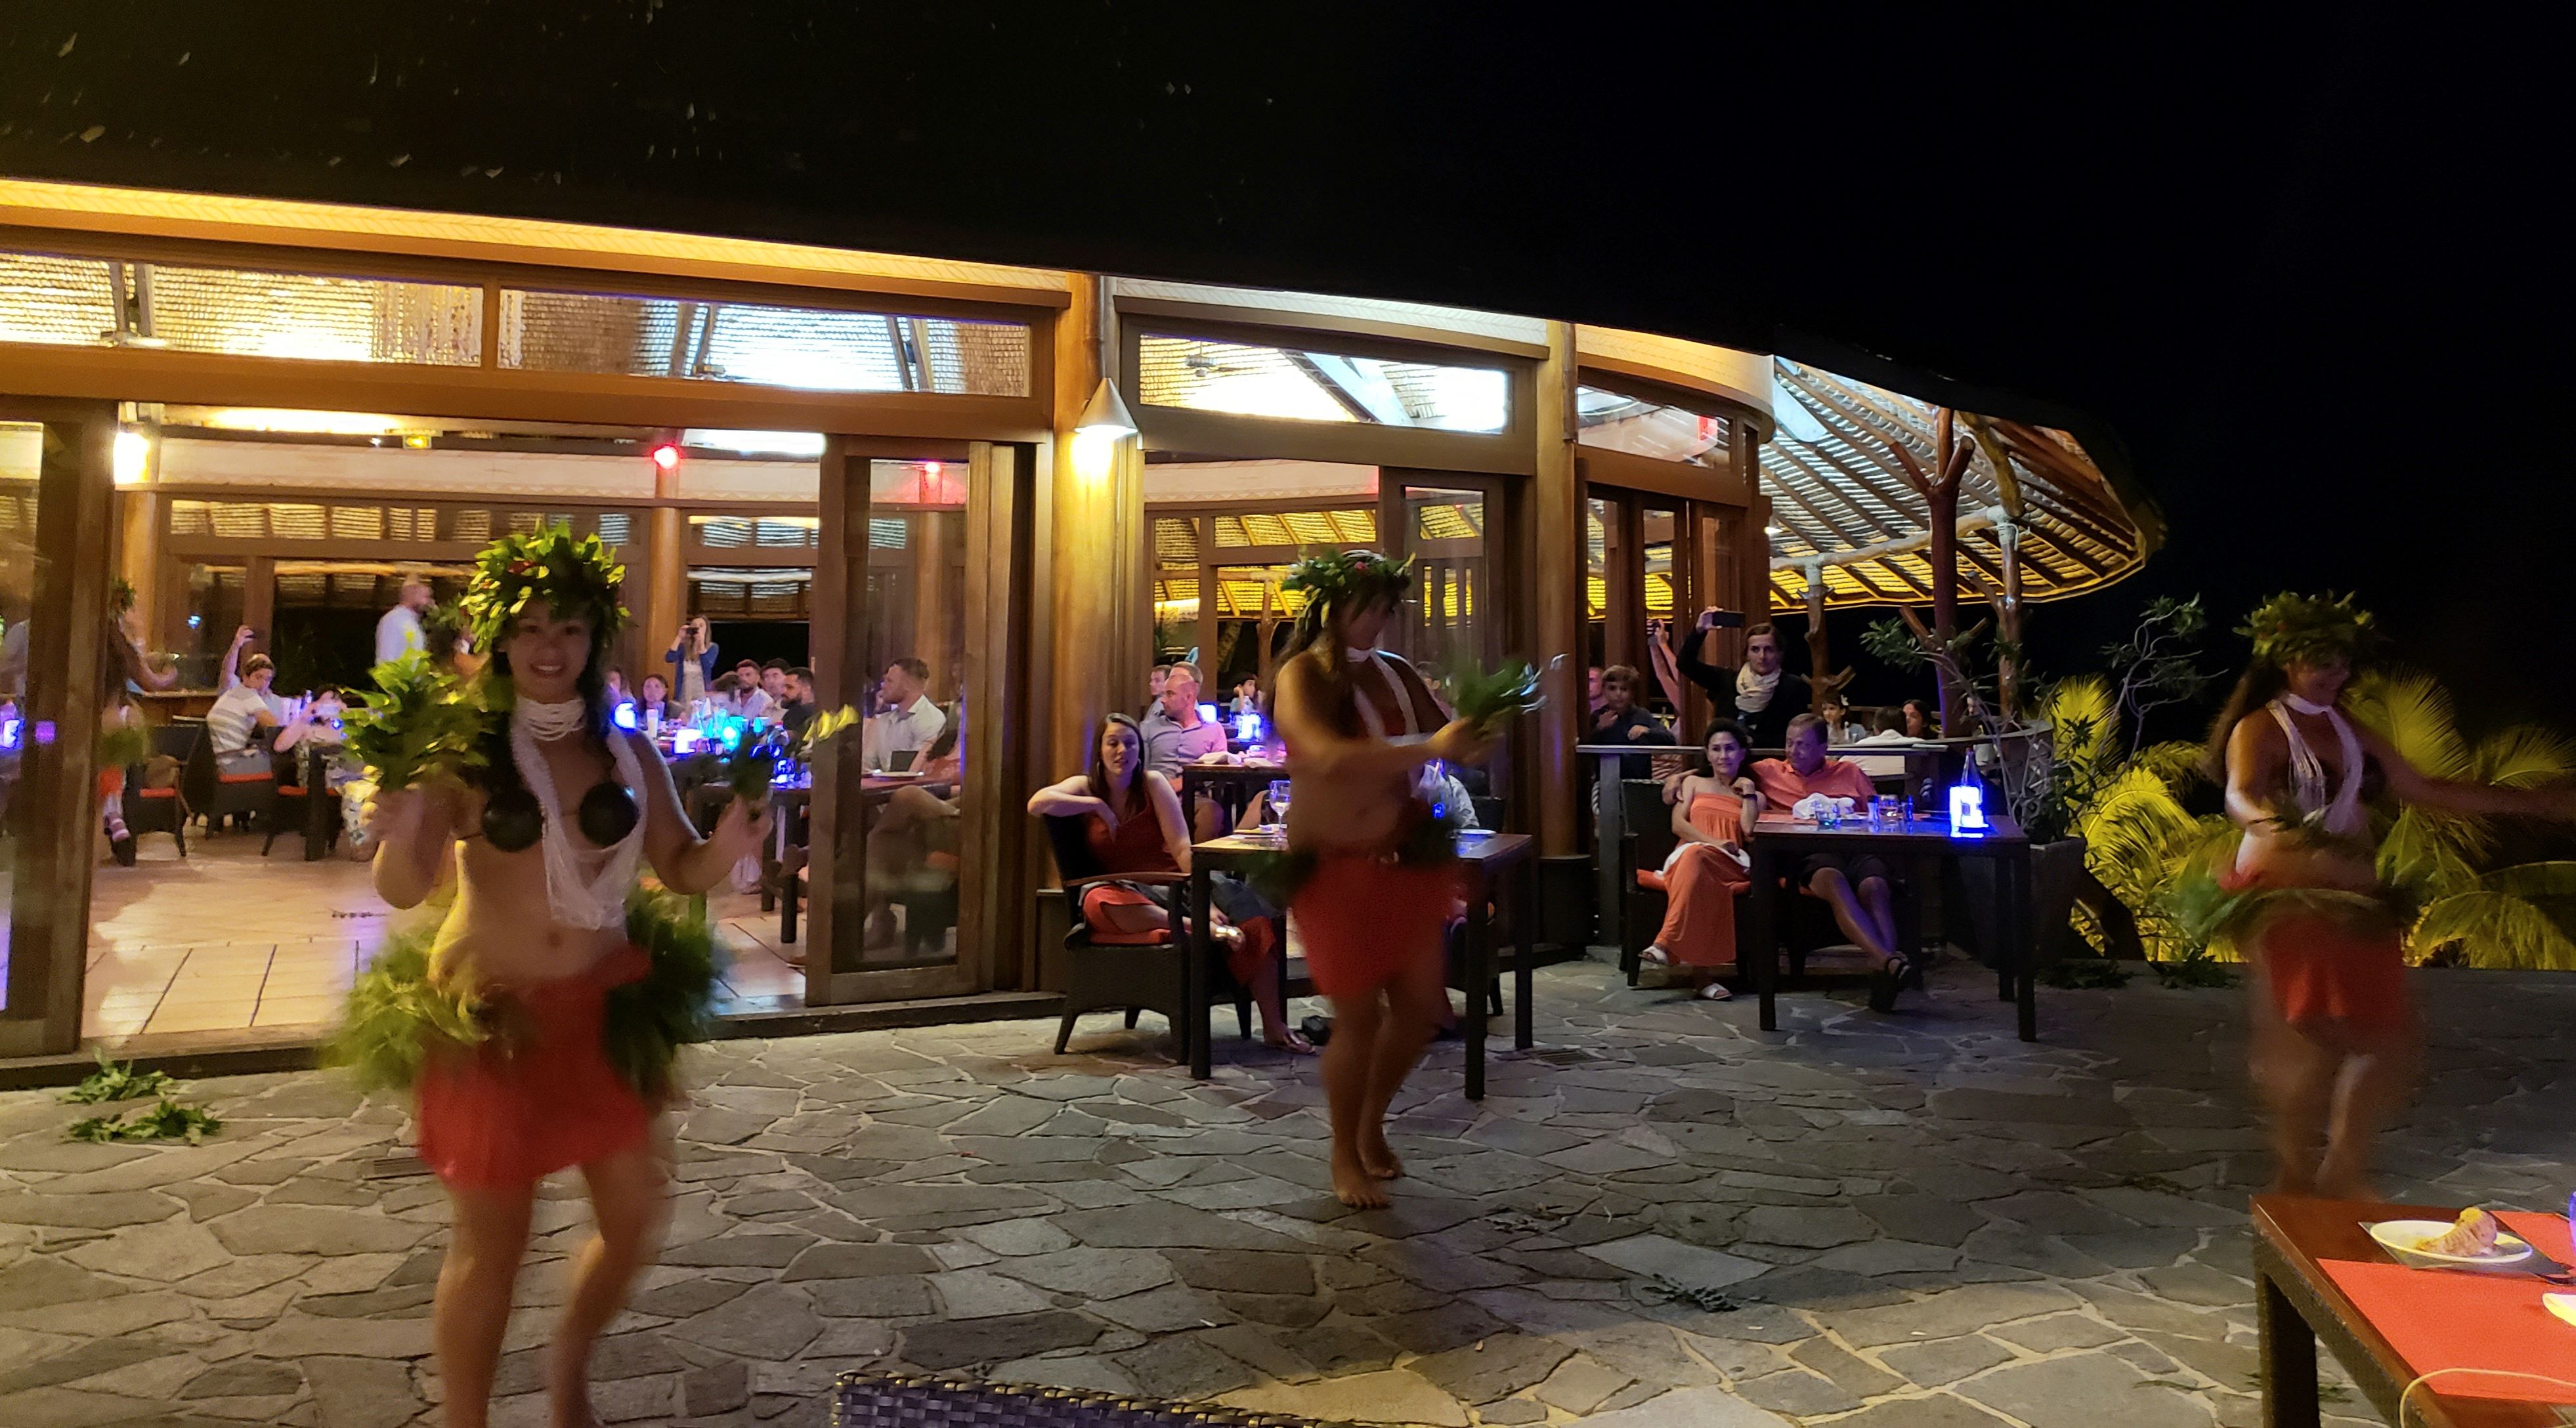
(1715, 992)
(1292, 1042)
(1887, 981)
(1655, 956)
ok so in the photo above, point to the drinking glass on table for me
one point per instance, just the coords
(1279, 801)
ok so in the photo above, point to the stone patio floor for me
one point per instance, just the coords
(1925, 1222)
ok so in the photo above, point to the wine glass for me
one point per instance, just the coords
(1279, 789)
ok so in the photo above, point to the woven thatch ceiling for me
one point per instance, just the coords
(1840, 495)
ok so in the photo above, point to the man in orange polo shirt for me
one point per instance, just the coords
(1854, 885)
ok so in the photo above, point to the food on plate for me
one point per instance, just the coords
(2469, 1237)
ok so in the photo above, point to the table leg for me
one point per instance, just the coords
(1479, 976)
(2025, 948)
(1201, 945)
(1609, 824)
(1765, 948)
(2289, 1363)
(316, 776)
(1525, 928)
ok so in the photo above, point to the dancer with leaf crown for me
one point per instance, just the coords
(1375, 877)
(2336, 1037)
(539, 1024)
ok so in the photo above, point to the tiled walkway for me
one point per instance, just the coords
(1925, 1223)
(225, 940)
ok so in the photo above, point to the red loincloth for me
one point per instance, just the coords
(501, 1116)
(1365, 917)
(2322, 966)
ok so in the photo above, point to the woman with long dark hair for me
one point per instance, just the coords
(2335, 1035)
(1713, 815)
(1360, 725)
(542, 841)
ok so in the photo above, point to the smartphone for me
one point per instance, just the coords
(1715, 618)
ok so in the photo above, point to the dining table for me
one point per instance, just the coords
(2412, 1339)
(1500, 878)
(1780, 844)
(1232, 785)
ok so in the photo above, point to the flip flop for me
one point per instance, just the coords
(1715, 992)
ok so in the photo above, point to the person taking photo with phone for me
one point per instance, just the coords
(1763, 696)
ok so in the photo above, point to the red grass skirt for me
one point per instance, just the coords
(540, 1096)
(1365, 918)
(2328, 966)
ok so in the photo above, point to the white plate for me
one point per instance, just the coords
(2400, 1237)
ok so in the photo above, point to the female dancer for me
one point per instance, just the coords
(1713, 814)
(1353, 719)
(2336, 1039)
(543, 846)
(1134, 823)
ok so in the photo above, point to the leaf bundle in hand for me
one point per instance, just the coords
(1491, 699)
(420, 723)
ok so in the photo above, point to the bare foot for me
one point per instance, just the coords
(1292, 1042)
(1354, 1186)
(571, 1405)
(1378, 1157)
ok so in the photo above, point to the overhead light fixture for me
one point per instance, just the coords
(1773, 531)
(1106, 414)
(755, 443)
(666, 456)
(133, 457)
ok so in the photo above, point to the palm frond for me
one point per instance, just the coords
(2414, 714)
(2176, 764)
(2493, 929)
(2538, 882)
(2429, 855)
(2084, 726)
(2523, 756)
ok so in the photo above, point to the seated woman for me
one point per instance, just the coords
(1134, 824)
(1713, 814)
(653, 702)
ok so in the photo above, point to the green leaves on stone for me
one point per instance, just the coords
(421, 723)
(166, 1119)
(114, 1081)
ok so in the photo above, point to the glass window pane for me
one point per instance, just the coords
(1245, 380)
(238, 313)
(816, 349)
(1615, 421)
(21, 449)
(912, 685)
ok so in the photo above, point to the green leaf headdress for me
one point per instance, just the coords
(2290, 628)
(1332, 580)
(574, 575)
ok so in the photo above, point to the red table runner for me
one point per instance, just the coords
(2445, 1319)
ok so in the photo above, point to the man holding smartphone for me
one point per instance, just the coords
(1763, 696)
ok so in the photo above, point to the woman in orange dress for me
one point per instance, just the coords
(2336, 1037)
(1713, 814)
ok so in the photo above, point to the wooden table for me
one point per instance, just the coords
(1491, 860)
(1780, 844)
(2296, 1304)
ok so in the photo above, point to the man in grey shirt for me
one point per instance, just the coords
(1175, 734)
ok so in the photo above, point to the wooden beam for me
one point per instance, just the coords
(1556, 546)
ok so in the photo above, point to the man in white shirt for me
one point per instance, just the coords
(750, 698)
(910, 723)
(399, 632)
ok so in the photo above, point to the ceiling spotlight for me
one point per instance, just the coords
(666, 457)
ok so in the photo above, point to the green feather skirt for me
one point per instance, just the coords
(396, 1018)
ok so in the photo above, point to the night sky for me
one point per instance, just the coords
(2294, 273)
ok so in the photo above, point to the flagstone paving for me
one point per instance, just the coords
(1918, 1220)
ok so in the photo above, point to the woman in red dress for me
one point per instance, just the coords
(1713, 814)
(2336, 1038)
(541, 843)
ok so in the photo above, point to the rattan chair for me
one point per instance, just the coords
(163, 810)
(1129, 971)
(215, 795)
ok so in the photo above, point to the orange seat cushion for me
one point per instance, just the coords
(246, 778)
(290, 790)
(157, 792)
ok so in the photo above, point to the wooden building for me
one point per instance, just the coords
(245, 407)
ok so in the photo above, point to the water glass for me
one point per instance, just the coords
(1279, 800)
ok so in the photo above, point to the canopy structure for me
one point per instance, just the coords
(1847, 509)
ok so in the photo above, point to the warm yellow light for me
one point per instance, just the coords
(323, 423)
(1093, 451)
(133, 457)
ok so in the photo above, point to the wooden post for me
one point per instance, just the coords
(666, 596)
(1557, 537)
(2008, 622)
(138, 559)
(1754, 564)
(1942, 496)
(836, 922)
(59, 814)
(1104, 617)
(1820, 663)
